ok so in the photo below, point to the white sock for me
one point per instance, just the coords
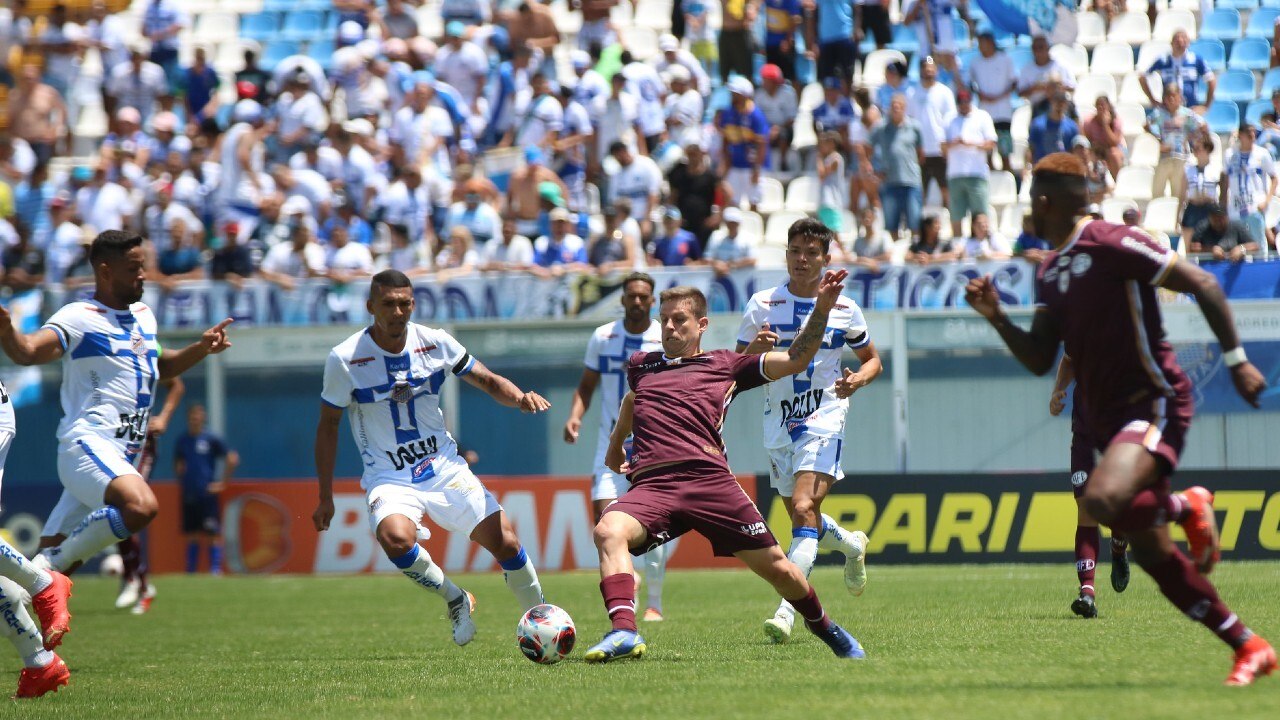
(803, 552)
(522, 580)
(17, 625)
(655, 572)
(834, 537)
(417, 566)
(22, 571)
(101, 528)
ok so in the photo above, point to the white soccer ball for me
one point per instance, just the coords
(111, 566)
(545, 634)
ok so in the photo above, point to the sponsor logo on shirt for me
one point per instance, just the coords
(425, 349)
(1144, 249)
(711, 450)
(361, 362)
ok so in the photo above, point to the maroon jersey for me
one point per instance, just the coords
(1100, 290)
(680, 404)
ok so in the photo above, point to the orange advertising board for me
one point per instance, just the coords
(267, 528)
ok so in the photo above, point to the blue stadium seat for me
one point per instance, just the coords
(303, 25)
(1270, 3)
(280, 6)
(1221, 24)
(904, 40)
(1270, 82)
(1257, 108)
(1223, 117)
(262, 26)
(321, 51)
(1238, 4)
(1213, 52)
(1250, 54)
(1236, 86)
(1020, 56)
(1262, 22)
(966, 57)
(277, 50)
(961, 29)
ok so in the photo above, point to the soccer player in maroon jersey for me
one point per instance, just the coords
(680, 479)
(1097, 298)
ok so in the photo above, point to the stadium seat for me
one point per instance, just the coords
(1162, 215)
(1134, 183)
(1113, 208)
(1149, 53)
(1132, 118)
(1188, 5)
(1112, 58)
(1238, 4)
(275, 51)
(752, 227)
(322, 52)
(1250, 54)
(811, 96)
(1253, 114)
(772, 257)
(1262, 22)
(1236, 86)
(217, 27)
(641, 41)
(1011, 220)
(775, 229)
(1213, 52)
(1131, 91)
(1020, 123)
(771, 196)
(961, 31)
(1090, 87)
(280, 5)
(904, 40)
(1221, 24)
(1144, 151)
(1002, 189)
(1073, 57)
(1090, 29)
(654, 14)
(302, 25)
(802, 194)
(1132, 28)
(1170, 21)
(1223, 117)
(805, 137)
(874, 64)
(263, 26)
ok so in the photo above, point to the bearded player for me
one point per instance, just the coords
(680, 479)
(610, 347)
(804, 415)
(1098, 299)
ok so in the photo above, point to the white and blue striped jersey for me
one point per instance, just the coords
(805, 403)
(607, 353)
(394, 401)
(109, 372)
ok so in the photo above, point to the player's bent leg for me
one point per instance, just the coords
(398, 536)
(129, 505)
(789, 581)
(615, 535)
(496, 535)
(1088, 540)
(133, 498)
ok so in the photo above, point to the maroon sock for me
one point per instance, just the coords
(1087, 541)
(620, 600)
(131, 555)
(815, 618)
(1149, 509)
(1196, 597)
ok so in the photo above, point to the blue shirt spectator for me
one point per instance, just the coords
(551, 250)
(743, 128)
(779, 16)
(1181, 68)
(836, 112)
(1052, 132)
(835, 21)
(675, 245)
(198, 455)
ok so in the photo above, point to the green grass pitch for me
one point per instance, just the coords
(983, 642)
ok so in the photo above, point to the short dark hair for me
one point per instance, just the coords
(811, 229)
(686, 292)
(112, 245)
(639, 277)
(389, 279)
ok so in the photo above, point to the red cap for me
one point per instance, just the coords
(963, 95)
(246, 90)
(771, 72)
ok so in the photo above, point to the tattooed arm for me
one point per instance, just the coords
(805, 345)
(503, 390)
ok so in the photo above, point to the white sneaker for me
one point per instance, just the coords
(855, 565)
(143, 606)
(778, 628)
(129, 594)
(460, 615)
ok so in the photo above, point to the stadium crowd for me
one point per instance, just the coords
(317, 139)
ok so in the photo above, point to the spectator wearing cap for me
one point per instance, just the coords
(1106, 134)
(136, 84)
(674, 246)
(200, 85)
(591, 84)
(994, 79)
(836, 112)
(639, 181)
(1248, 182)
(614, 116)
(1099, 182)
(782, 18)
(745, 149)
(1181, 68)
(735, 42)
(523, 191)
(560, 251)
(831, 34)
(777, 100)
(1176, 127)
(1224, 238)
(162, 23)
(1202, 188)
(463, 65)
(1053, 131)
(476, 215)
(728, 250)
(684, 107)
(1043, 78)
(899, 152)
(896, 82)
(932, 108)
(37, 113)
(511, 251)
(22, 264)
(971, 136)
(671, 55)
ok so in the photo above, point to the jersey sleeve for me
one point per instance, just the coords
(634, 364)
(337, 383)
(1135, 255)
(857, 335)
(592, 358)
(747, 370)
(752, 319)
(457, 356)
(67, 324)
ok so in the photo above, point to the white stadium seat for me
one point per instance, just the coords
(1112, 59)
(1090, 29)
(1073, 57)
(1134, 183)
(875, 63)
(771, 196)
(1162, 215)
(775, 230)
(1145, 151)
(1131, 27)
(802, 194)
(1002, 189)
(1113, 209)
(1090, 87)
(1170, 21)
(1149, 53)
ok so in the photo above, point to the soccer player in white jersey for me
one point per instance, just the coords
(111, 363)
(606, 367)
(389, 376)
(42, 670)
(804, 417)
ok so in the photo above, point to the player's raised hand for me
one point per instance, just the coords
(1057, 402)
(982, 296)
(571, 429)
(1249, 382)
(615, 458)
(532, 402)
(765, 340)
(215, 338)
(830, 288)
(323, 514)
(848, 384)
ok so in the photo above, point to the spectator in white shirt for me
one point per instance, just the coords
(673, 55)
(1041, 79)
(971, 136)
(994, 79)
(684, 107)
(345, 260)
(407, 255)
(539, 117)
(288, 262)
(104, 205)
(728, 250)
(639, 180)
(463, 65)
(300, 113)
(136, 84)
(510, 251)
(984, 244)
(932, 107)
(614, 117)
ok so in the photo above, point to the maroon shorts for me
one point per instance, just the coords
(1160, 425)
(669, 502)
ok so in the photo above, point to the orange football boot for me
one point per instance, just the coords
(34, 682)
(51, 607)
(1256, 657)
(1201, 528)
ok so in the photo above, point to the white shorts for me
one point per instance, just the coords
(809, 453)
(608, 485)
(8, 429)
(87, 464)
(742, 187)
(456, 501)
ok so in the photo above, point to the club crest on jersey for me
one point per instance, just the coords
(1081, 263)
(401, 392)
(1078, 478)
(138, 345)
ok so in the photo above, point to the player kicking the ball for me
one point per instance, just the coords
(389, 376)
(1098, 299)
(610, 347)
(804, 415)
(680, 480)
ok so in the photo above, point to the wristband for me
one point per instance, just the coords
(1234, 357)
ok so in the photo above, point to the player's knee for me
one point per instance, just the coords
(804, 513)
(139, 511)
(510, 546)
(606, 532)
(395, 541)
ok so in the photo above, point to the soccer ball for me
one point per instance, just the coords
(545, 634)
(112, 565)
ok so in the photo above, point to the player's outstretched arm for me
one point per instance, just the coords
(326, 456)
(504, 391)
(213, 341)
(615, 456)
(805, 346)
(581, 401)
(1035, 349)
(38, 348)
(1184, 277)
(1058, 398)
(871, 368)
